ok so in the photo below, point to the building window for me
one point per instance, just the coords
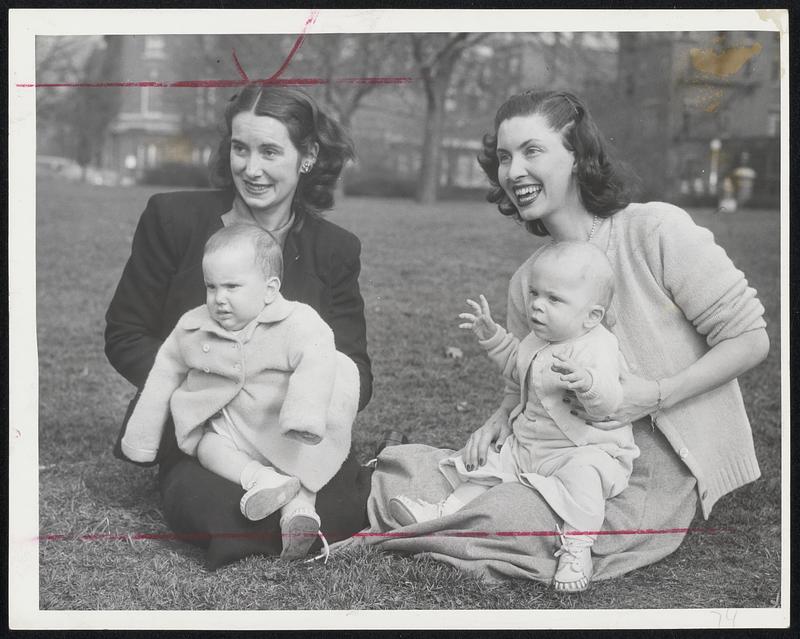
(725, 122)
(775, 70)
(630, 85)
(154, 47)
(774, 124)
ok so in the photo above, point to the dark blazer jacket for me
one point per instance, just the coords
(163, 279)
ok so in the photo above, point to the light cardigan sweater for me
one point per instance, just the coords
(529, 360)
(281, 374)
(677, 294)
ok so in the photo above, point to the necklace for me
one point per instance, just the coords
(595, 220)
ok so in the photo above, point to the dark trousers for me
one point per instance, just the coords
(203, 508)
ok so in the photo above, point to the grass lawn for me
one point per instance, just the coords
(419, 264)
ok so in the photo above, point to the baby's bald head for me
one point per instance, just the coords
(587, 264)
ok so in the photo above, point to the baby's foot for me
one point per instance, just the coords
(407, 511)
(268, 493)
(299, 530)
(574, 567)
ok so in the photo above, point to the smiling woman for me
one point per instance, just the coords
(685, 337)
(277, 166)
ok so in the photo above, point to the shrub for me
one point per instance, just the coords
(176, 174)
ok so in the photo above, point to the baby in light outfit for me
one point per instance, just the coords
(567, 370)
(255, 387)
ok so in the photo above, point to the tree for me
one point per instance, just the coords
(337, 57)
(436, 56)
(95, 108)
(74, 119)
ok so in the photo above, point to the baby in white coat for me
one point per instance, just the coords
(567, 370)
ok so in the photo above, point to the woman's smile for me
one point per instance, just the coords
(265, 165)
(535, 169)
(526, 194)
(255, 188)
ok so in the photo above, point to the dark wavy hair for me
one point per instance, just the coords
(307, 124)
(602, 182)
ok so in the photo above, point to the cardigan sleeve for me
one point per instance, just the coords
(502, 348)
(602, 360)
(517, 323)
(146, 424)
(312, 357)
(346, 315)
(702, 280)
(134, 316)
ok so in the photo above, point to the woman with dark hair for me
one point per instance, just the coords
(276, 167)
(687, 324)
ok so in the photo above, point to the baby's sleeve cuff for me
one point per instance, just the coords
(594, 390)
(141, 455)
(495, 340)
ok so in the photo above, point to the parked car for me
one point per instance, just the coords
(53, 166)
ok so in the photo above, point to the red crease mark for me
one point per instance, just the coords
(312, 18)
(239, 67)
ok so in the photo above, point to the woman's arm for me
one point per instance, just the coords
(721, 307)
(346, 318)
(725, 361)
(133, 319)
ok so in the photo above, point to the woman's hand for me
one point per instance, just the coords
(495, 430)
(481, 322)
(303, 437)
(639, 399)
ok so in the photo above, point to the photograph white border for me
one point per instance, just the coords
(23, 573)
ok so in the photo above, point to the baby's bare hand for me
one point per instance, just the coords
(571, 375)
(480, 321)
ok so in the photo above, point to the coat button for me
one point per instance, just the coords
(683, 452)
(206, 370)
(566, 400)
(206, 348)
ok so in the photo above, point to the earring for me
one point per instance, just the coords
(306, 166)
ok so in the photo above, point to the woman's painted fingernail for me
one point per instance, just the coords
(469, 467)
(481, 462)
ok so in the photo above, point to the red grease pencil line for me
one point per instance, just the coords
(389, 534)
(218, 83)
(243, 80)
(312, 18)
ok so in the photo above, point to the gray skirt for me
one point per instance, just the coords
(510, 531)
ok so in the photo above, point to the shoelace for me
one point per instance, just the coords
(326, 550)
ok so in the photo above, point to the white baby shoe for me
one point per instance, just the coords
(267, 493)
(575, 566)
(299, 530)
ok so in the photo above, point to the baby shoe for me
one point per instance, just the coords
(299, 531)
(268, 493)
(407, 511)
(574, 565)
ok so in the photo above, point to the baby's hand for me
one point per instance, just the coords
(571, 376)
(481, 322)
(303, 436)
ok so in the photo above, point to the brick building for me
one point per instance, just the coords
(693, 106)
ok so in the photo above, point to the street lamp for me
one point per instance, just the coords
(713, 174)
